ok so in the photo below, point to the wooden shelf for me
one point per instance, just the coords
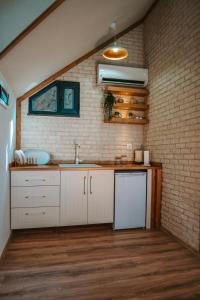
(141, 92)
(128, 91)
(128, 106)
(126, 121)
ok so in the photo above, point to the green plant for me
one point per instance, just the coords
(108, 104)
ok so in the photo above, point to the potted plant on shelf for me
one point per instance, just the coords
(108, 105)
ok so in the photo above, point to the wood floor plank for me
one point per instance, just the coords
(97, 263)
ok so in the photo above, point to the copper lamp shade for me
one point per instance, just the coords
(115, 53)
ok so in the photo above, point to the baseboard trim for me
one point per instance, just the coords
(3, 254)
(194, 251)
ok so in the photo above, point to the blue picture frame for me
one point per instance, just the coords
(60, 98)
(4, 97)
(70, 98)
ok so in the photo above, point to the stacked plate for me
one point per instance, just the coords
(19, 157)
(32, 156)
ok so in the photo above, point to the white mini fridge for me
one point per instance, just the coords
(130, 200)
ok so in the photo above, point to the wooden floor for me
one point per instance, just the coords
(98, 263)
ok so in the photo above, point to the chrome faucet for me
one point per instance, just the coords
(76, 157)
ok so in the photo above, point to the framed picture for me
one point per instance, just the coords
(60, 98)
(70, 94)
(4, 97)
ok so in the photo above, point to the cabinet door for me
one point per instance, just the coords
(100, 196)
(73, 210)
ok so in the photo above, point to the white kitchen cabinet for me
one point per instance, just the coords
(35, 196)
(34, 217)
(69, 197)
(35, 178)
(100, 196)
(87, 197)
(73, 198)
(35, 199)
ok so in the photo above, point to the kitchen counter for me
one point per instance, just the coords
(103, 166)
(53, 185)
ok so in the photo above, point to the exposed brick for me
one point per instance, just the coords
(172, 44)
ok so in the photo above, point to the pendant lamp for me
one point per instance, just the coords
(115, 52)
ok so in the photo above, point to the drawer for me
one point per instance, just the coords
(35, 196)
(34, 217)
(34, 178)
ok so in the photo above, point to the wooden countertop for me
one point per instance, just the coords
(103, 166)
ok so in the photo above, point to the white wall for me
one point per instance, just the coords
(7, 144)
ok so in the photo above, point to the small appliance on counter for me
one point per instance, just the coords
(146, 158)
(138, 156)
(142, 156)
(31, 157)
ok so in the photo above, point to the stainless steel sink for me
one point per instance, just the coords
(79, 166)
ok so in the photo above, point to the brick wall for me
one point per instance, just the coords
(172, 51)
(98, 141)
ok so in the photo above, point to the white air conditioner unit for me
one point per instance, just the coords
(120, 75)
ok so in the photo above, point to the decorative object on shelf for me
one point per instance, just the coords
(117, 114)
(133, 101)
(115, 52)
(120, 100)
(4, 96)
(131, 113)
(60, 98)
(108, 105)
(139, 117)
(137, 100)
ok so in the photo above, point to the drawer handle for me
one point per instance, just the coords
(36, 213)
(27, 180)
(27, 197)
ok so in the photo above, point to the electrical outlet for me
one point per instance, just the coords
(129, 147)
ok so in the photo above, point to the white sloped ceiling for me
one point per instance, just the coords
(73, 29)
(16, 15)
